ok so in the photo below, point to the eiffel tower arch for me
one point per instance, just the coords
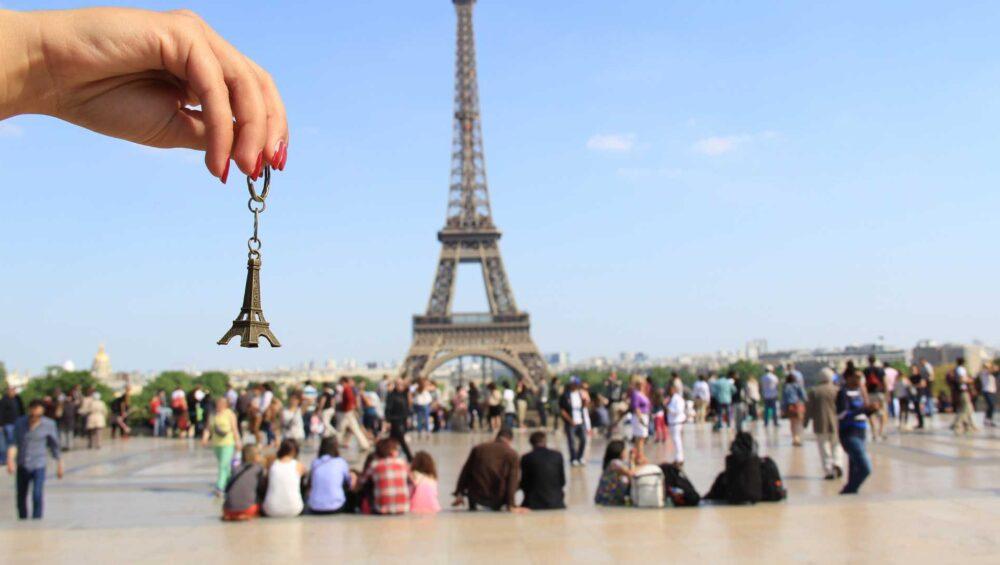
(470, 236)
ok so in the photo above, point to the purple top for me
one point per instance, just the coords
(640, 403)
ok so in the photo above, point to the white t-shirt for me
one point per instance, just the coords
(701, 390)
(576, 408)
(508, 400)
(987, 381)
(676, 413)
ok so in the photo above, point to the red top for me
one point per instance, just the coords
(348, 403)
(390, 478)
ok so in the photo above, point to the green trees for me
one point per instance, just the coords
(56, 377)
(3, 376)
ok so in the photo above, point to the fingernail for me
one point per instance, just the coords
(258, 167)
(276, 157)
(284, 158)
(225, 173)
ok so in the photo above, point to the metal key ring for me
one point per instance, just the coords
(265, 190)
(263, 205)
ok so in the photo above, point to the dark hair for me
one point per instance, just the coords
(288, 447)
(36, 403)
(960, 361)
(613, 451)
(537, 439)
(329, 446)
(385, 447)
(423, 463)
(505, 433)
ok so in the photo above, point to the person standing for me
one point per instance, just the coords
(523, 396)
(509, 407)
(614, 391)
(853, 410)
(927, 376)
(422, 407)
(796, 374)
(917, 393)
(640, 407)
(489, 476)
(494, 409)
(11, 408)
(875, 386)
(725, 387)
(120, 408)
(554, 395)
(769, 391)
(821, 410)
(793, 402)
(752, 397)
(35, 437)
(963, 410)
(224, 431)
(475, 407)
(95, 413)
(676, 416)
(292, 423)
(349, 417)
(542, 404)
(397, 413)
(702, 397)
(543, 476)
(988, 388)
(571, 408)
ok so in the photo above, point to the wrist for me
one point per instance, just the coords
(23, 73)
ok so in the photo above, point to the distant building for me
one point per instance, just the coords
(754, 349)
(946, 354)
(559, 359)
(101, 367)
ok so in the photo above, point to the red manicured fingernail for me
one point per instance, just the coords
(284, 158)
(258, 167)
(225, 173)
(276, 157)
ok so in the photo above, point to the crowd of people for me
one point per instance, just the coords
(245, 428)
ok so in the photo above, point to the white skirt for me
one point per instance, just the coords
(640, 425)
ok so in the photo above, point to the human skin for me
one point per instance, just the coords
(139, 75)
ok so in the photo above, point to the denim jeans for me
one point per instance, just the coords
(723, 413)
(577, 447)
(991, 401)
(858, 465)
(423, 412)
(37, 479)
(770, 411)
(6, 439)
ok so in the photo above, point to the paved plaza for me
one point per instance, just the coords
(933, 498)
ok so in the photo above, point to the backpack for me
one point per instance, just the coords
(743, 485)
(772, 489)
(647, 487)
(678, 487)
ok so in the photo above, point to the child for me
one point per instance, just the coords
(659, 417)
(244, 491)
(424, 498)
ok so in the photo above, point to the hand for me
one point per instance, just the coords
(59, 469)
(11, 467)
(204, 442)
(135, 74)
(458, 502)
(519, 510)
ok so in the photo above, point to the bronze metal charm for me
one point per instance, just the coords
(251, 325)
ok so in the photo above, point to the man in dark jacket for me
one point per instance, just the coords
(490, 475)
(542, 476)
(11, 408)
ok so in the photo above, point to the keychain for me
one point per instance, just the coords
(250, 325)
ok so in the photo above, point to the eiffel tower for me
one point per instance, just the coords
(469, 236)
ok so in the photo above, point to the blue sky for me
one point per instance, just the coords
(670, 177)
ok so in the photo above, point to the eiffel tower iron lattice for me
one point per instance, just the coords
(469, 236)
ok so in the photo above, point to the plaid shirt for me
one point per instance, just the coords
(390, 477)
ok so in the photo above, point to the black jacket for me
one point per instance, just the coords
(542, 479)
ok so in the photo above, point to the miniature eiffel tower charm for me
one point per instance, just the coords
(250, 325)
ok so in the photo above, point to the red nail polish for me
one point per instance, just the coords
(225, 173)
(278, 151)
(284, 158)
(258, 167)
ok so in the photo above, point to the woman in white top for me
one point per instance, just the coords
(292, 424)
(676, 416)
(284, 482)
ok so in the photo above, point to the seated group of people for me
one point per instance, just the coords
(386, 485)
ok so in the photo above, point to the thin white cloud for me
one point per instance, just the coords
(648, 173)
(721, 144)
(10, 130)
(611, 142)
